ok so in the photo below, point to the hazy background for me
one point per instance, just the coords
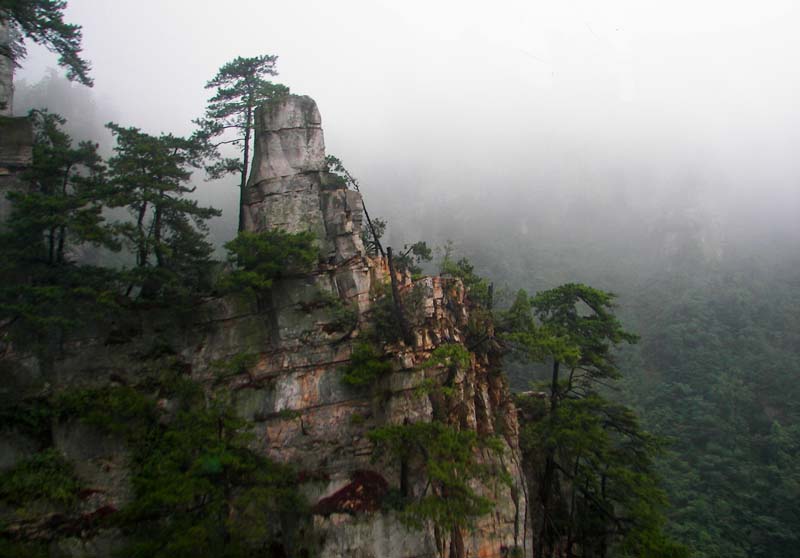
(649, 148)
(521, 119)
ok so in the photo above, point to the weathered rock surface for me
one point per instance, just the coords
(16, 154)
(6, 71)
(289, 188)
(293, 394)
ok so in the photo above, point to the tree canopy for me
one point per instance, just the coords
(149, 175)
(591, 462)
(240, 87)
(42, 21)
(45, 285)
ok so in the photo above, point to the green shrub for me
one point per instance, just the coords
(451, 354)
(261, 258)
(366, 365)
(118, 409)
(451, 467)
(46, 475)
(477, 287)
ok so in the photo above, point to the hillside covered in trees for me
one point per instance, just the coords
(208, 346)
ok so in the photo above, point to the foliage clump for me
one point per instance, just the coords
(477, 287)
(592, 463)
(411, 258)
(240, 87)
(343, 315)
(149, 176)
(451, 355)
(42, 21)
(46, 475)
(261, 258)
(447, 459)
(198, 488)
(366, 365)
(44, 289)
(200, 491)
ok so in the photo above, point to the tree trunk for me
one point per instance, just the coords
(554, 388)
(141, 241)
(62, 229)
(405, 328)
(371, 228)
(62, 233)
(457, 544)
(604, 537)
(245, 161)
(51, 246)
(549, 472)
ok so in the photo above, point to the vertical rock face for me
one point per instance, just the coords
(293, 394)
(6, 72)
(289, 188)
(16, 155)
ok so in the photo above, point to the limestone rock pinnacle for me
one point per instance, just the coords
(289, 187)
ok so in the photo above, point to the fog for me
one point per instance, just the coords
(598, 126)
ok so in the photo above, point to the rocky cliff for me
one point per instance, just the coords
(16, 154)
(291, 390)
(6, 71)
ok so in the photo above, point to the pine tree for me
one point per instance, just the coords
(150, 175)
(591, 461)
(41, 21)
(230, 114)
(45, 286)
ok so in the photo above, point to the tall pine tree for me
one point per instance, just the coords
(46, 285)
(230, 114)
(168, 233)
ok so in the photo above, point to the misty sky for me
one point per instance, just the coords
(451, 103)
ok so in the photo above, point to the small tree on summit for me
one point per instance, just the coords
(240, 87)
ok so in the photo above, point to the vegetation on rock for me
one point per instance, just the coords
(366, 365)
(449, 464)
(198, 488)
(230, 114)
(149, 175)
(261, 258)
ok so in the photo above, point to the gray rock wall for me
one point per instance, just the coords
(6, 72)
(292, 394)
(16, 155)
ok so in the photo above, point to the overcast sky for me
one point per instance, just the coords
(438, 101)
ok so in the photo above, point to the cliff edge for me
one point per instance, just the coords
(299, 340)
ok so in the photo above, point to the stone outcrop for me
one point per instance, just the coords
(16, 155)
(290, 189)
(293, 392)
(6, 71)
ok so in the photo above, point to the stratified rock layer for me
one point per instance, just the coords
(293, 394)
(290, 189)
(16, 155)
(6, 71)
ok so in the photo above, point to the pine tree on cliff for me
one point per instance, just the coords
(593, 463)
(46, 285)
(240, 87)
(150, 175)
